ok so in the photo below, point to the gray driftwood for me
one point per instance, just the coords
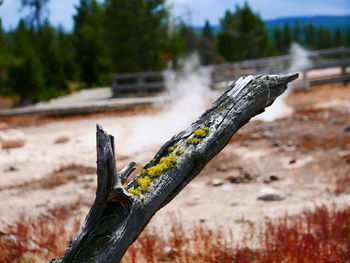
(117, 217)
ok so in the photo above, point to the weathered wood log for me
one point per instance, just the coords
(120, 212)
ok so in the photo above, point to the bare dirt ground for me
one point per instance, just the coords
(305, 156)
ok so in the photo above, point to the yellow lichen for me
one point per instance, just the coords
(179, 151)
(144, 183)
(164, 164)
(200, 133)
(169, 160)
(136, 191)
(170, 149)
(193, 140)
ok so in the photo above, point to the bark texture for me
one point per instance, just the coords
(120, 212)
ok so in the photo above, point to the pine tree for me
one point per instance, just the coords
(207, 31)
(175, 47)
(2, 41)
(4, 61)
(136, 34)
(52, 61)
(296, 32)
(339, 38)
(310, 36)
(287, 39)
(27, 77)
(324, 38)
(89, 44)
(207, 46)
(190, 37)
(278, 40)
(227, 46)
(243, 35)
(65, 42)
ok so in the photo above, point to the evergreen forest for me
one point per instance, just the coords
(39, 61)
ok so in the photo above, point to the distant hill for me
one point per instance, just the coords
(330, 22)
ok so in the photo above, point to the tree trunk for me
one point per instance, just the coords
(120, 212)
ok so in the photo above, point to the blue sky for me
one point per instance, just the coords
(194, 11)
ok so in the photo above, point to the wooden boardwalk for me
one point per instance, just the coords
(84, 102)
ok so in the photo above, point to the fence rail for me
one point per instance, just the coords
(141, 83)
(319, 59)
(146, 83)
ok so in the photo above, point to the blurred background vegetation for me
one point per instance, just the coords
(39, 61)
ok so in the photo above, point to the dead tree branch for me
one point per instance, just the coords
(120, 212)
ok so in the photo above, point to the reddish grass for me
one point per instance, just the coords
(319, 236)
(32, 238)
(322, 235)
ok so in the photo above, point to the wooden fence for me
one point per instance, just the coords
(319, 59)
(146, 83)
(143, 83)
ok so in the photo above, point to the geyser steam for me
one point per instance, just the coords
(280, 108)
(190, 93)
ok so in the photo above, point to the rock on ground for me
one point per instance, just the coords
(11, 139)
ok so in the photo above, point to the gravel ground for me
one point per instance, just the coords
(306, 153)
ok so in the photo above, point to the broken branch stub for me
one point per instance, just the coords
(120, 212)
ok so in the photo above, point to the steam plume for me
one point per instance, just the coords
(189, 92)
(280, 108)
